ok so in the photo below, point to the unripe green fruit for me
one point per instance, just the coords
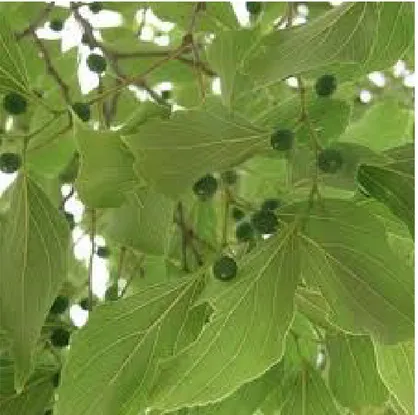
(229, 177)
(60, 337)
(225, 268)
(282, 140)
(265, 222)
(60, 305)
(70, 219)
(96, 63)
(237, 213)
(56, 379)
(253, 7)
(112, 293)
(244, 232)
(95, 7)
(205, 187)
(10, 162)
(103, 251)
(330, 160)
(14, 103)
(82, 110)
(270, 205)
(56, 25)
(326, 85)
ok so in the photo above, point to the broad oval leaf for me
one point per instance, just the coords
(33, 265)
(245, 335)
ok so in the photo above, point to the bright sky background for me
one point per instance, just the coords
(71, 37)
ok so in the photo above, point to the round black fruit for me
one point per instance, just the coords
(244, 232)
(111, 293)
(60, 337)
(103, 251)
(60, 305)
(95, 7)
(326, 85)
(166, 94)
(96, 63)
(82, 110)
(56, 25)
(225, 268)
(282, 140)
(14, 103)
(205, 187)
(10, 162)
(253, 7)
(330, 160)
(84, 304)
(48, 412)
(270, 205)
(265, 222)
(237, 213)
(229, 177)
(70, 219)
(56, 379)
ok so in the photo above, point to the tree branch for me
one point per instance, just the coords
(93, 248)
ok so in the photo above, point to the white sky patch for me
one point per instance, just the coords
(241, 12)
(78, 315)
(6, 180)
(66, 189)
(399, 69)
(74, 206)
(299, 20)
(216, 86)
(147, 33)
(365, 96)
(153, 20)
(9, 124)
(292, 82)
(378, 78)
(303, 10)
(100, 276)
(103, 19)
(163, 40)
(163, 86)
(336, 3)
(82, 248)
(409, 80)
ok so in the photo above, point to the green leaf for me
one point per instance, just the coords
(306, 393)
(172, 157)
(393, 185)
(106, 172)
(353, 376)
(13, 74)
(113, 359)
(35, 262)
(396, 366)
(376, 35)
(346, 255)
(144, 222)
(383, 126)
(245, 335)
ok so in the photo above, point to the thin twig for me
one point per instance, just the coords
(120, 263)
(37, 22)
(93, 249)
(183, 236)
(227, 199)
(66, 198)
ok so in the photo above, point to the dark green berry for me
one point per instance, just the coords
(96, 63)
(244, 232)
(48, 412)
(270, 205)
(237, 213)
(282, 140)
(326, 85)
(166, 94)
(14, 103)
(10, 162)
(95, 7)
(253, 7)
(205, 187)
(60, 337)
(265, 222)
(84, 304)
(103, 251)
(225, 268)
(56, 379)
(70, 219)
(112, 293)
(229, 177)
(60, 305)
(330, 160)
(82, 110)
(56, 25)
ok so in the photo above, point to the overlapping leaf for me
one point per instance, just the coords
(353, 376)
(173, 154)
(245, 335)
(113, 359)
(33, 265)
(346, 255)
(13, 75)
